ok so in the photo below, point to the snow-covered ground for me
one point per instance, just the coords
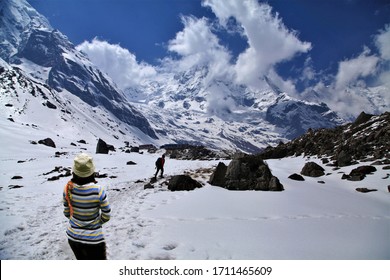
(309, 220)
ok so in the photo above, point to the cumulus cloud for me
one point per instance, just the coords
(198, 46)
(269, 41)
(117, 62)
(350, 71)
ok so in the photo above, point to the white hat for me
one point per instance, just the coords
(83, 165)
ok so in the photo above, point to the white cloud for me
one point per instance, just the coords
(117, 62)
(269, 41)
(383, 42)
(350, 71)
(198, 46)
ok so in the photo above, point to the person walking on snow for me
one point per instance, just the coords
(160, 166)
(87, 207)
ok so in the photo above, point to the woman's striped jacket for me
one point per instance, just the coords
(91, 209)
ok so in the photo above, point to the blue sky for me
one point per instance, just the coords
(297, 42)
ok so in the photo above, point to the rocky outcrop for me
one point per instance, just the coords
(247, 172)
(366, 138)
(183, 183)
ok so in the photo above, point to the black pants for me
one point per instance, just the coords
(84, 251)
(158, 169)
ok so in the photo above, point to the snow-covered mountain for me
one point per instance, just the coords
(183, 107)
(191, 107)
(46, 58)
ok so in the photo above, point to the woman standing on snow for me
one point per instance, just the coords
(87, 207)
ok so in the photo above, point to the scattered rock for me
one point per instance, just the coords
(296, 177)
(325, 160)
(365, 190)
(359, 173)
(58, 154)
(16, 177)
(312, 169)
(15, 186)
(103, 148)
(320, 182)
(131, 163)
(47, 142)
(153, 180)
(148, 186)
(82, 141)
(183, 183)
(50, 105)
(365, 169)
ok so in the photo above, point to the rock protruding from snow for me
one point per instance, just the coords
(312, 169)
(247, 172)
(103, 148)
(218, 177)
(183, 183)
(47, 142)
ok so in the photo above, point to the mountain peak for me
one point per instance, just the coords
(17, 19)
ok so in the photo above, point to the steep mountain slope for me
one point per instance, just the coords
(40, 112)
(33, 44)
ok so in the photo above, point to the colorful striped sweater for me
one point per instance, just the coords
(91, 209)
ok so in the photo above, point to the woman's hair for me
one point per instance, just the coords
(83, 180)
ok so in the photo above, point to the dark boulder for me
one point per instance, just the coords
(360, 173)
(47, 142)
(312, 169)
(50, 105)
(344, 158)
(250, 172)
(296, 177)
(218, 177)
(364, 169)
(103, 148)
(183, 183)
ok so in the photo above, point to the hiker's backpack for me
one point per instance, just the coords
(158, 162)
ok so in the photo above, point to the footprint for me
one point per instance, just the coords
(170, 247)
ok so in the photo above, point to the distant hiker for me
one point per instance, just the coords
(160, 166)
(87, 207)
